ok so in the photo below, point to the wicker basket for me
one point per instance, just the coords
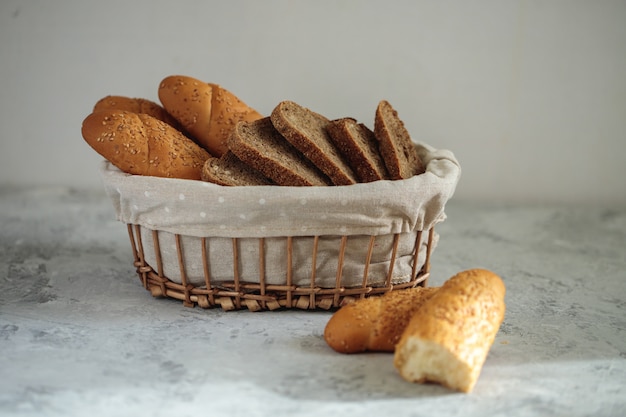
(266, 248)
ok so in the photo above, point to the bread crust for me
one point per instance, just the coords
(359, 146)
(306, 131)
(140, 144)
(374, 323)
(395, 143)
(449, 337)
(229, 170)
(136, 105)
(261, 146)
(207, 111)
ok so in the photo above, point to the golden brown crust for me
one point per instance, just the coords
(143, 145)
(374, 323)
(136, 105)
(207, 111)
(397, 309)
(455, 330)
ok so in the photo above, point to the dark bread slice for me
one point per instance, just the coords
(359, 146)
(306, 130)
(261, 146)
(231, 171)
(395, 144)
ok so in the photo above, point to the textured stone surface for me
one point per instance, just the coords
(80, 336)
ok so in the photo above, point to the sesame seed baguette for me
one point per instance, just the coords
(140, 144)
(205, 110)
(359, 146)
(395, 144)
(136, 105)
(374, 323)
(306, 131)
(447, 340)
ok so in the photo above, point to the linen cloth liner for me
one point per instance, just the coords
(198, 209)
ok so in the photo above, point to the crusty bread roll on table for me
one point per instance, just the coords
(374, 323)
(449, 337)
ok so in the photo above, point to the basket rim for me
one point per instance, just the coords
(202, 209)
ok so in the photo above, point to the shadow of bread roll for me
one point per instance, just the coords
(207, 111)
(140, 144)
(449, 337)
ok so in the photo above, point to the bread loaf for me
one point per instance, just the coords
(143, 145)
(136, 105)
(447, 340)
(207, 111)
(306, 131)
(359, 146)
(231, 171)
(374, 323)
(262, 147)
(395, 144)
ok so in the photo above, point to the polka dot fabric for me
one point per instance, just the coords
(202, 209)
(196, 209)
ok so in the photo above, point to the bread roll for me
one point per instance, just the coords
(449, 337)
(136, 105)
(374, 323)
(207, 111)
(142, 145)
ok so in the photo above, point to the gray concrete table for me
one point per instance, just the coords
(80, 336)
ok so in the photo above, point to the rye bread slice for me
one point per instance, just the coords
(261, 146)
(231, 171)
(395, 144)
(306, 130)
(359, 146)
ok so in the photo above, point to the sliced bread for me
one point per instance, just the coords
(395, 144)
(231, 171)
(359, 146)
(261, 146)
(306, 131)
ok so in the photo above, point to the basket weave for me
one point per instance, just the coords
(255, 296)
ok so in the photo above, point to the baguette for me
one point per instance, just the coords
(395, 144)
(359, 146)
(140, 144)
(449, 337)
(207, 111)
(374, 323)
(306, 131)
(136, 105)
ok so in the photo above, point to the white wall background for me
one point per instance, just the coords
(530, 95)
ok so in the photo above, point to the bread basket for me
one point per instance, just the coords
(272, 247)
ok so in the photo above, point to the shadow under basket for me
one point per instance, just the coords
(295, 291)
